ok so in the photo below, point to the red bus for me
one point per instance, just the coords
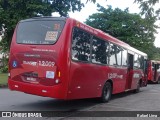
(62, 58)
(153, 71)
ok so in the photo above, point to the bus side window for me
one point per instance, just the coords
(158, 67)
(112, 60)
(100, 51)
(81, 45)
(153, 66)
(136, 61)
(124, 57)
(119, 55)
(141, 61)
(115, 55)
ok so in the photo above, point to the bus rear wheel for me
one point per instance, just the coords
(106, 92)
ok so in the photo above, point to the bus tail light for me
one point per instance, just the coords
(59, 74)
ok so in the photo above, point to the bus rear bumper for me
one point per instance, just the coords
(40, 90)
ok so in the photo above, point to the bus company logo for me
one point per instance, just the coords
(14, 64)
(6, 114)
(114, 75)
(40, 63)
(30, 63)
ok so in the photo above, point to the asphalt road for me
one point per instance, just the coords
(148, 99)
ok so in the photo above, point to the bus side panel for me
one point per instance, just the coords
(118, 75)
(87, 80)
(137, 75)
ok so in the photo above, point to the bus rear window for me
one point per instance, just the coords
(39, 32)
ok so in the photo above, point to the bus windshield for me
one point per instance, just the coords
(39, 31)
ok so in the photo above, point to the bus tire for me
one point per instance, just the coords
(138, 87)
(106, 92)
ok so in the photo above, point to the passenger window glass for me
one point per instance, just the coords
(141, 61)
(115, 54)
(153, 65)
(80, 45)
(158, 67)
(119, 55)
(100, 51)
(112, 60)
(124, 57)
(136, 61)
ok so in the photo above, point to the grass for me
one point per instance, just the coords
(3, 78)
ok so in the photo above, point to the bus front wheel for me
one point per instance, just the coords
(106, 92)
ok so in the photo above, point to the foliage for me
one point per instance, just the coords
(148, 8)
(130, 28)
(12, 11)
(154, 53)
(4, 68)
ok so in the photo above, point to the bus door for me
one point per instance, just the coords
(129, 72)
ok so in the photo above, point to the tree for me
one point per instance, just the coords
(154, 53)
(148, 8)
(130, 28)
(12, 11)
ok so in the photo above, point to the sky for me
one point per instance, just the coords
(91, 8)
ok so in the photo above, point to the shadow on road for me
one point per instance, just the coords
(70, 105)
(61, 105)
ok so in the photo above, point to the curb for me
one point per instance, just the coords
(3, 86)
